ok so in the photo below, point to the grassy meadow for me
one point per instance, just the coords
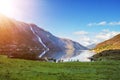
(18, 69)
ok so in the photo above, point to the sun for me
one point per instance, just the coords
(17, 9)
(6, 7)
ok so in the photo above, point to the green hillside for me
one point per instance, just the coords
(16, 69)
(107, 55)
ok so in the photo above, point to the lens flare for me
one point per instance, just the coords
(6, 7)
(17, 9)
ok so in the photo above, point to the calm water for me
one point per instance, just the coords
(80, 56)
(70, 55)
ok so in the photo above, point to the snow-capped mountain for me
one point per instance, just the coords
(23, 40)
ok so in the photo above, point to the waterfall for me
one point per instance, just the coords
(40, 40)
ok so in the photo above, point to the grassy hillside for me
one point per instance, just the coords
(113, 43)
(107, 55)
(15, 69)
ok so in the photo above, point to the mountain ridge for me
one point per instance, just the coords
(23, 40)
(113, 43)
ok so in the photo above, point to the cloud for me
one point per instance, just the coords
(114, 23)
(105, 34)
(85, 40)
(105, 23)
(80, 33)
(96, 38)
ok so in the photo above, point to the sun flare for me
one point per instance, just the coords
(17, 9)
(6, 7)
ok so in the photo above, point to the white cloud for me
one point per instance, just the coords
(85, 40)
(91, 24)
(105, 34)
(96, 38)
(80, 32)
(102, 23)
(105, 23)
(114, 23)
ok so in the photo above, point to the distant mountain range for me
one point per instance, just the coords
(91, 46)
(28, 41)
(113, 43)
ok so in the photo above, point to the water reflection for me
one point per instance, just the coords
(82, 56)
(70, 55)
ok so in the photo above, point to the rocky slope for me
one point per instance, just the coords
(23, 40)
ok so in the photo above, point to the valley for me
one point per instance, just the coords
(59, 40)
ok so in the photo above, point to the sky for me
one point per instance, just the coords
(84, 21)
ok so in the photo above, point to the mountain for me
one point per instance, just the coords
(113, 43)
(28, 41)
(91, 46)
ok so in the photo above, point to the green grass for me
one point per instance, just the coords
(16, 69)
